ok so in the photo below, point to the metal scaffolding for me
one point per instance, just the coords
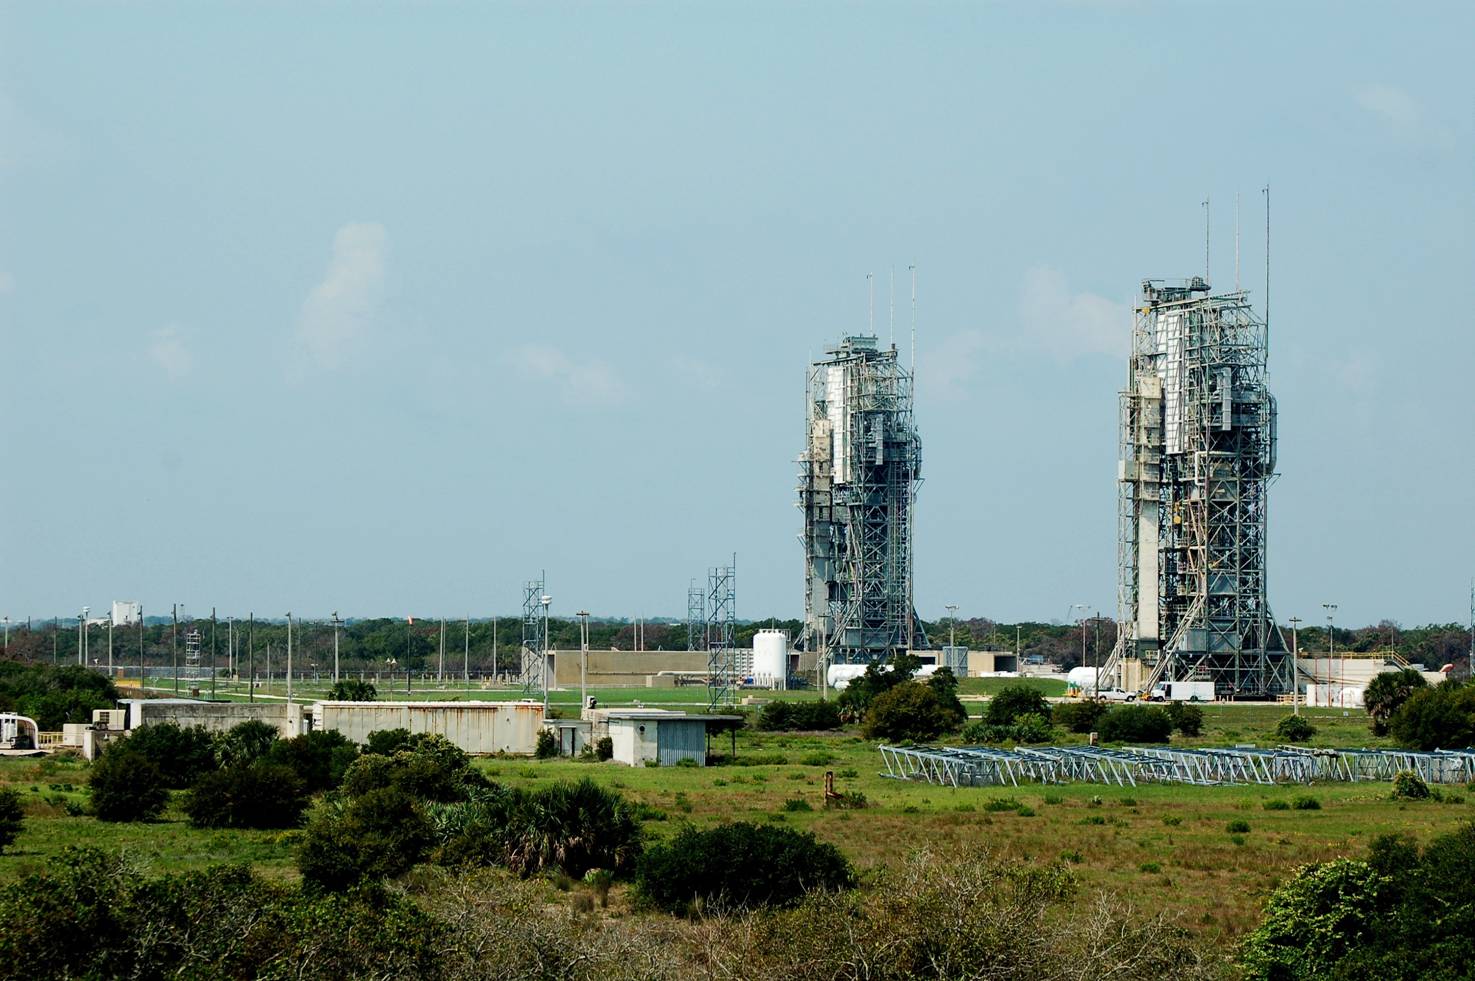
(858, 479)
(722, 667)
(1198, 435)
(534, 635)
(696, 617)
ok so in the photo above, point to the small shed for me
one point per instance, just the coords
(666, 738)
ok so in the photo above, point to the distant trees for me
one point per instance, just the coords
(1441, 717)
(54, 696)
(1012, 702)
(353, 690)
(915, 710)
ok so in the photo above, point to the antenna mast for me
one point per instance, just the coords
(1267, 278)
(871, 303)
(893, 306)
(1207, 278)
(1236, 241)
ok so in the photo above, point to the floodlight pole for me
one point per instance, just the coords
(546, 601)
(952, 625)
(174, 649)
(251, 658)
(1331, 644)
(212, 654)
(1295, 668)
(289, 657)
(583, 616)
(466, 654)
(336, 622)
(141, 632)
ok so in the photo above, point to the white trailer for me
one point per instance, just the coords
(1184, 691)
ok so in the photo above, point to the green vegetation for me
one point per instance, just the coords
(1386, 693)
(182, 755)
(53, 696)
(126, 786)
(252, 795)
(11, 818)
(1015, 701)
(1441, 717)
(1135, 724)
(738, 867)
(1081, 716)
(1294, 729)
(791, 716)
(353, 690)
(914, 711)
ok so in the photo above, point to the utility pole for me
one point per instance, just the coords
(141, 630)
(952, 624)
(110, 647)
(466, 654)
(1295, 667)
(1331, 645)
(583, 616)
(494, 651)
(440, 671)
(213, 672)
(289, 658)
(82, 637)
(251, 657)
(230, 646)
(336, 622)
(1096, 647)
(174, 649)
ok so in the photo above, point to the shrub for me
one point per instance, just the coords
(1238, 827)
(547, 745)
(181, 754)
(799, 716)
(797, 804)
(1187, 719)
(245, 743)
(353, 690)
(604, 749)
(54, 696)
(739, 866)
(1439, 717)
(11, 817)
(1079, 716)
(319, 758)
(912, 711)
(1408, 785)
(1277, 805)
(1014, 701)
(1386, 693)
(1135, 724)
(382, 833)
(259, 795)
(126, 786)
(1294, 729)
(428, 766)
(1313, 920)
(1032, 728)
(984, 734)
(387, 742)
(1306, 803)
(855, 701)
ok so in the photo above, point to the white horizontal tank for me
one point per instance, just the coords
(771, 658)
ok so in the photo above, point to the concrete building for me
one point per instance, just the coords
(214, 716)
(479, 728)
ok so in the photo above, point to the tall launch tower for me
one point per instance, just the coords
(1197, 455)
(858, 482)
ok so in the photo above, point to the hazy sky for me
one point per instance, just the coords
(384, 308)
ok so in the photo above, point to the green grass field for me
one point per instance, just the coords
(1165, 847)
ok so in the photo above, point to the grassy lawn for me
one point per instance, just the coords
(1049, 687)
(1166, 847)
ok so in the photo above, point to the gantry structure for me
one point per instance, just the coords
(534, 636)
(858, 479)
(1198, 435)
(720, 635)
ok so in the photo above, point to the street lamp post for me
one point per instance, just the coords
(546, 600)
(952, 625)
(7, 636)
(1295, 667)
(583, 616)
(82, 637)
(1331, 646)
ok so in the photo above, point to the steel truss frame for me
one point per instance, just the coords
(534, 636)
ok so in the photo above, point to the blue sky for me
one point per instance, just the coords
(383, 308)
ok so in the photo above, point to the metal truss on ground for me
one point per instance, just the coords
(722, 669)
(858, 480)
(1198, 438)
(981, 766)
(534, 635)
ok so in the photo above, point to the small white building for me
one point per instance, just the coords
(641, 736)
(479, 728)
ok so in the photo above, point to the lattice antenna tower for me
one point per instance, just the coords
(721, 635)
(192, 647)
(859, 473)
(534, 636)
(696, 617)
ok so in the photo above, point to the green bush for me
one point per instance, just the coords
(913, 711)
(353, 690)
(182, 755)
(1306, 803)
(245, 743)
(11, 817)
(1014, 701)
(797, 804)
(1079, 716)
(572, 827)
(1187, 719)
(1408, 785)
(1313, 920)
(387, 742)
(381, 833)
(855, 701)
(427, 766)
(1238, 827)
(1441, 717)
(1277, 805)
(52, 695)
(258, 795)
(786, 716)
(1135, 724)
(126, 786)
(738, 866)
(604, 748)
(1294, 729)
(319, 758)
(547, 745)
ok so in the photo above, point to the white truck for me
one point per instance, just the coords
(1183, 691)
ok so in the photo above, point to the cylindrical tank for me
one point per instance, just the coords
(771, 658)
(1083, 678)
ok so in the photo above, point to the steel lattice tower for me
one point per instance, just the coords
(534, 636)
(721, 627)
(696, 617)
(858, 479)
(1198, 435)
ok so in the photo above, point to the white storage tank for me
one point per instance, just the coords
(771, 658)
(1082, 678)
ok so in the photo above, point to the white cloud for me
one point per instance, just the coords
(584, 382)
(167, 350)
(1391, 104)
(945, 370)
(340, 308)
(1069, 324)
